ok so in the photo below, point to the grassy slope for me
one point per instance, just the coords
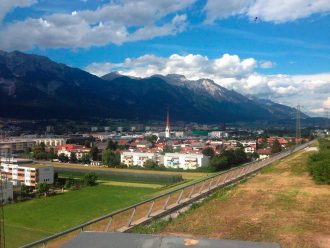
(282, 205)
(32, 220)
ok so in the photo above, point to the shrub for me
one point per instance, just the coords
(319, 163)
(90, 179)
(321, 171)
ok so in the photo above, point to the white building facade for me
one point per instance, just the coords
(184, 161)
(137, 158)
(29, 175)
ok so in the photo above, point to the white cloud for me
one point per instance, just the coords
(219, 9)
(7, 5)
(232, 72)
(115, 22)
(266, 64)
(277, 11)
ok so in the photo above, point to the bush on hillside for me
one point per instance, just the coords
(319, 163)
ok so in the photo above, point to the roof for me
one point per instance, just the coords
(132, 240)
(31, 165)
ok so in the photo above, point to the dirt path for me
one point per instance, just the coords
(282, 204)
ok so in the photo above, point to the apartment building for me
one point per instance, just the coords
(51, 141)
(11, 146)
(137, 158)
(184, 161)
(28, 174)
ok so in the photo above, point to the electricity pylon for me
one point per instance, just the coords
(298, 125)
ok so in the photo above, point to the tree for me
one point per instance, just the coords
(110, 158)
(217, 163)
(39, 151)
(90, 179)
(25, 190)
(151, 138)
(240, 156)
(168, 149)
(106, 157)
(51, 154)
(85, 159)
(112, 146)
(63, 158)
(150, 164)
(73, 157)
(276, 147)
(208, 151)
(94, 153)
(230, 155)
(255, 155)
(69, 182)
(87, 144)
(43, 188)
(239, 145)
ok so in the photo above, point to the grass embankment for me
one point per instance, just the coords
(282, 204)
(32, 220)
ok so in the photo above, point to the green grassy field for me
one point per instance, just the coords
(32, 220)
(117, 176)
(186, 175)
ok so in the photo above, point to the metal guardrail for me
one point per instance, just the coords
(142, 212)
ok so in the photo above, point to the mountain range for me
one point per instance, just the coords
(35, 87)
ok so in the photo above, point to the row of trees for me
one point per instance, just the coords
(40, 152)
(226, 160)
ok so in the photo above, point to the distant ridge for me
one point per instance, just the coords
(35, 87)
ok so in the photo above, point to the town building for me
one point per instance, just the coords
(11, 146)
(264, 153)
(137, 158)
(250, 149)
(67, 149)
(29, 174)
(184, 161)
(218, 134)
(51, 141)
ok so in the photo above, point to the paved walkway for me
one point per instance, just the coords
(130, 240)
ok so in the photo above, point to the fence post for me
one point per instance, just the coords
(241, 173)
(131, 217)
(166, 202)
(210, 183)
(192, 191)
(229, 176)
(180, 196)
(218, 180)
(150, 208)
(107, 228)
(201, 189)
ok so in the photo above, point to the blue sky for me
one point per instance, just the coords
(284, 55)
